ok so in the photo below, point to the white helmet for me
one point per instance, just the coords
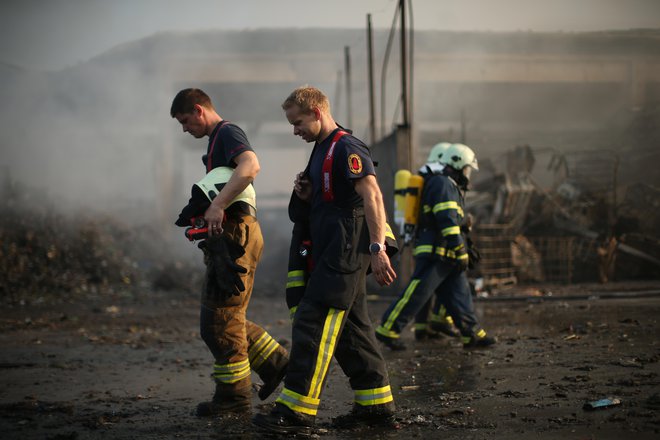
(437, 151)
(459, 156)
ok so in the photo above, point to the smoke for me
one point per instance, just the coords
(98, 137)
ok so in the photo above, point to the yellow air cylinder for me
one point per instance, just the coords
(400, 188)
(412, 205)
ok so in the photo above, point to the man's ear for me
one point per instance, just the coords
(317, 113)
(198, 110)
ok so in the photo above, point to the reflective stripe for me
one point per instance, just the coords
(298, 402)
(442, 316)
(481, 333)
(295, 278)
(452, 230)
(420, 326)
(444, 206)
(387, 333)
(231, 373)
(376, 396)
(261, 350)
(326, 349)
(292, 312)
(401, 304)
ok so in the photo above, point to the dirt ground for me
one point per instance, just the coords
(132, 366)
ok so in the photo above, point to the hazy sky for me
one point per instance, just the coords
(52, 34)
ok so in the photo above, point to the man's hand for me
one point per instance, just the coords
(303, 187)
(382, 269)
(214, 216)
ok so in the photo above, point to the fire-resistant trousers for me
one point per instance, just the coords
(453, 291)
(236, 343)
(322, 329)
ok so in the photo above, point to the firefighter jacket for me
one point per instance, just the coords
(442, 211)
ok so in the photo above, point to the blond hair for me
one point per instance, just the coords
(307, 98)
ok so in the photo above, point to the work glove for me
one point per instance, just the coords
(460, 257)
(223, 278)
(474, 256)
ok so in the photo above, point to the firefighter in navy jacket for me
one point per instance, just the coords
(347, 227)
(441, 256)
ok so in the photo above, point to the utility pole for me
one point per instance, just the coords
(370, 64)
(347, 68)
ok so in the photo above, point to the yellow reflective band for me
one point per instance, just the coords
(481, 333)
(292, 312)
(452, 230)
(462, 257)
(401, 304)
(426, 209)
(376, 396)
(423, 249)
(326, 349)
(258, 345)
(465, 339)
(295, 278)
(387, 333)
(420, 326)
(231, 373)
(448, 205)
(449, 320)
(225, 368)
(298, 402)
(264, 354)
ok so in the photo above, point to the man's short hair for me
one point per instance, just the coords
(186, 99)
(307, 98)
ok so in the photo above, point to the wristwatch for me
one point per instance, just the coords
(374, 248)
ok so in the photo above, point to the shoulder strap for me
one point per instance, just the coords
(209, 157)
(326, 174)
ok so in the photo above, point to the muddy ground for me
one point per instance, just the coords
(132, 366)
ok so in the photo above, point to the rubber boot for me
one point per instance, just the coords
(227, 399)
(283, 421)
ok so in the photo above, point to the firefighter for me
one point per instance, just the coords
(441, 255)
(231, 253)
(347, 228)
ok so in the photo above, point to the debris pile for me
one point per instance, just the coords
(575, 227)
(45, 253)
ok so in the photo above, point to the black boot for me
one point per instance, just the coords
(226, 400)
(478, 340)
(272, 374)
(366, 416)
(391, 343)
(283, 421)
(445, 328)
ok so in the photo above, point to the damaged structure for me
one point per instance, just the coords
(581, 224)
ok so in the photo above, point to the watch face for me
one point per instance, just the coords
(374, 248)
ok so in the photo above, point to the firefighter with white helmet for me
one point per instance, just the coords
(441, 254)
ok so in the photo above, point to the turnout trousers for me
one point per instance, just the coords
(325, 326)
(237, 344)
(432, 276)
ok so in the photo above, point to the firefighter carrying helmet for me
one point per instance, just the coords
(459, 156)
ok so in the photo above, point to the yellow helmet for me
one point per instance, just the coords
(216, 179)
(459, 156)
(437, 151)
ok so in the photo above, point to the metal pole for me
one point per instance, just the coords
(370, 63)
(349, 110)
(404, 65)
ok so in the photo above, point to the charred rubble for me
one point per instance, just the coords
(586, 222)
